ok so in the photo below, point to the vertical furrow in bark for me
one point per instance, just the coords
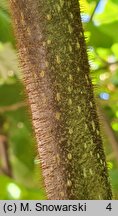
(56, 74)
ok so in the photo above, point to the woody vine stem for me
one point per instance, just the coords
(55, 65)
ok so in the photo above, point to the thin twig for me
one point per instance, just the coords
(12, 107)
(92, 15)
(5, 162)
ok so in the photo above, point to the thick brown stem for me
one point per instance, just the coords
(56, 75)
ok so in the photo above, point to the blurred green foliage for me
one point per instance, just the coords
(100, 21)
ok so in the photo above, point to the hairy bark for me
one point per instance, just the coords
(56, 75)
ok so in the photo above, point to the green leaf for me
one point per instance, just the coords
(114, 178)
(98, 36)
(109, 15)
(115, 1)
(93, 1)
(8, 62)
(114, 49)
(6, 33)
(11, 190)
(111, 30)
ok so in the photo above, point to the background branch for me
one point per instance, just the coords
(12, 107)
(4, 157)
(92, 15)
